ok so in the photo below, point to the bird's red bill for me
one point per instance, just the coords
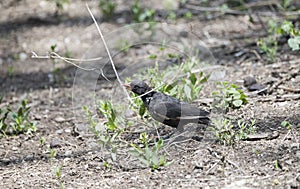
(127, 86)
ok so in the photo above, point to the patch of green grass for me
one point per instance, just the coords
(287, 28)
(276, 30)
(269, 46)
(16, 122)
(150, 157)
(108, 131)
(107, 7)
(186, 86)
(228, 96)
(140, 14)
(286, 125)
(228, 133)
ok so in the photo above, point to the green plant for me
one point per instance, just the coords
(188, 15)
(140, 14)
(275, 31)
(277, 165)
(286, 125)
(285, 5)
(228, 133)
(150, 156)
(269, 46)
(228, 95)
(108, 131)
(107, 7)
(12, 122)
(123, 45)
(42, 141)
(57, 171)
(287, 28)
(52, 154)
(10, 71)
(186, 86)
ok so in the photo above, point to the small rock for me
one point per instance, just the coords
(68, 130)
(23, 56)
(60, 131)
(81, 128)
(55, 143)
(68, 153)
(188, 176)
(248, 81)
(129, 113)
(37, 117)
(59, 119)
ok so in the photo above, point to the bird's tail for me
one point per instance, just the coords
(204, 120)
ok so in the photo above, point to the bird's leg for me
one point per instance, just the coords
(167, 136)
(179, 130)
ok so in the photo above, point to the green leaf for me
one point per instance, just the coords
(142, 110)
(193, 78)
(153, 56)
(287, 26)
(237, 103)
(294, 43)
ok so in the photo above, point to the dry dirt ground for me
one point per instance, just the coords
(30, 25)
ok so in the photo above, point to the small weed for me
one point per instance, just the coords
(12, 123)
(275, 31)
(140, 14)
(171, 15)
(287, 28)
(286, 5)
(10, 71)
(186, 87)
(269, 46)
(150, 156)
(107, 165)
(123, 45)
(53, 153)
(229, 134)
(277, 165)
(57, 171)
(107, 7)
(42, 141)
(188, 15)
(286, 125)
(108, 131)
(228, 95)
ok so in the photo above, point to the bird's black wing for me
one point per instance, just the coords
(175, 110)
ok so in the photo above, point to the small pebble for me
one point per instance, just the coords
(55, 143)
(59, 119)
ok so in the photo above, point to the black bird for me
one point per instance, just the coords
(166, 109)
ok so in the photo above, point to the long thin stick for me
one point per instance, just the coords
(108, 53)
